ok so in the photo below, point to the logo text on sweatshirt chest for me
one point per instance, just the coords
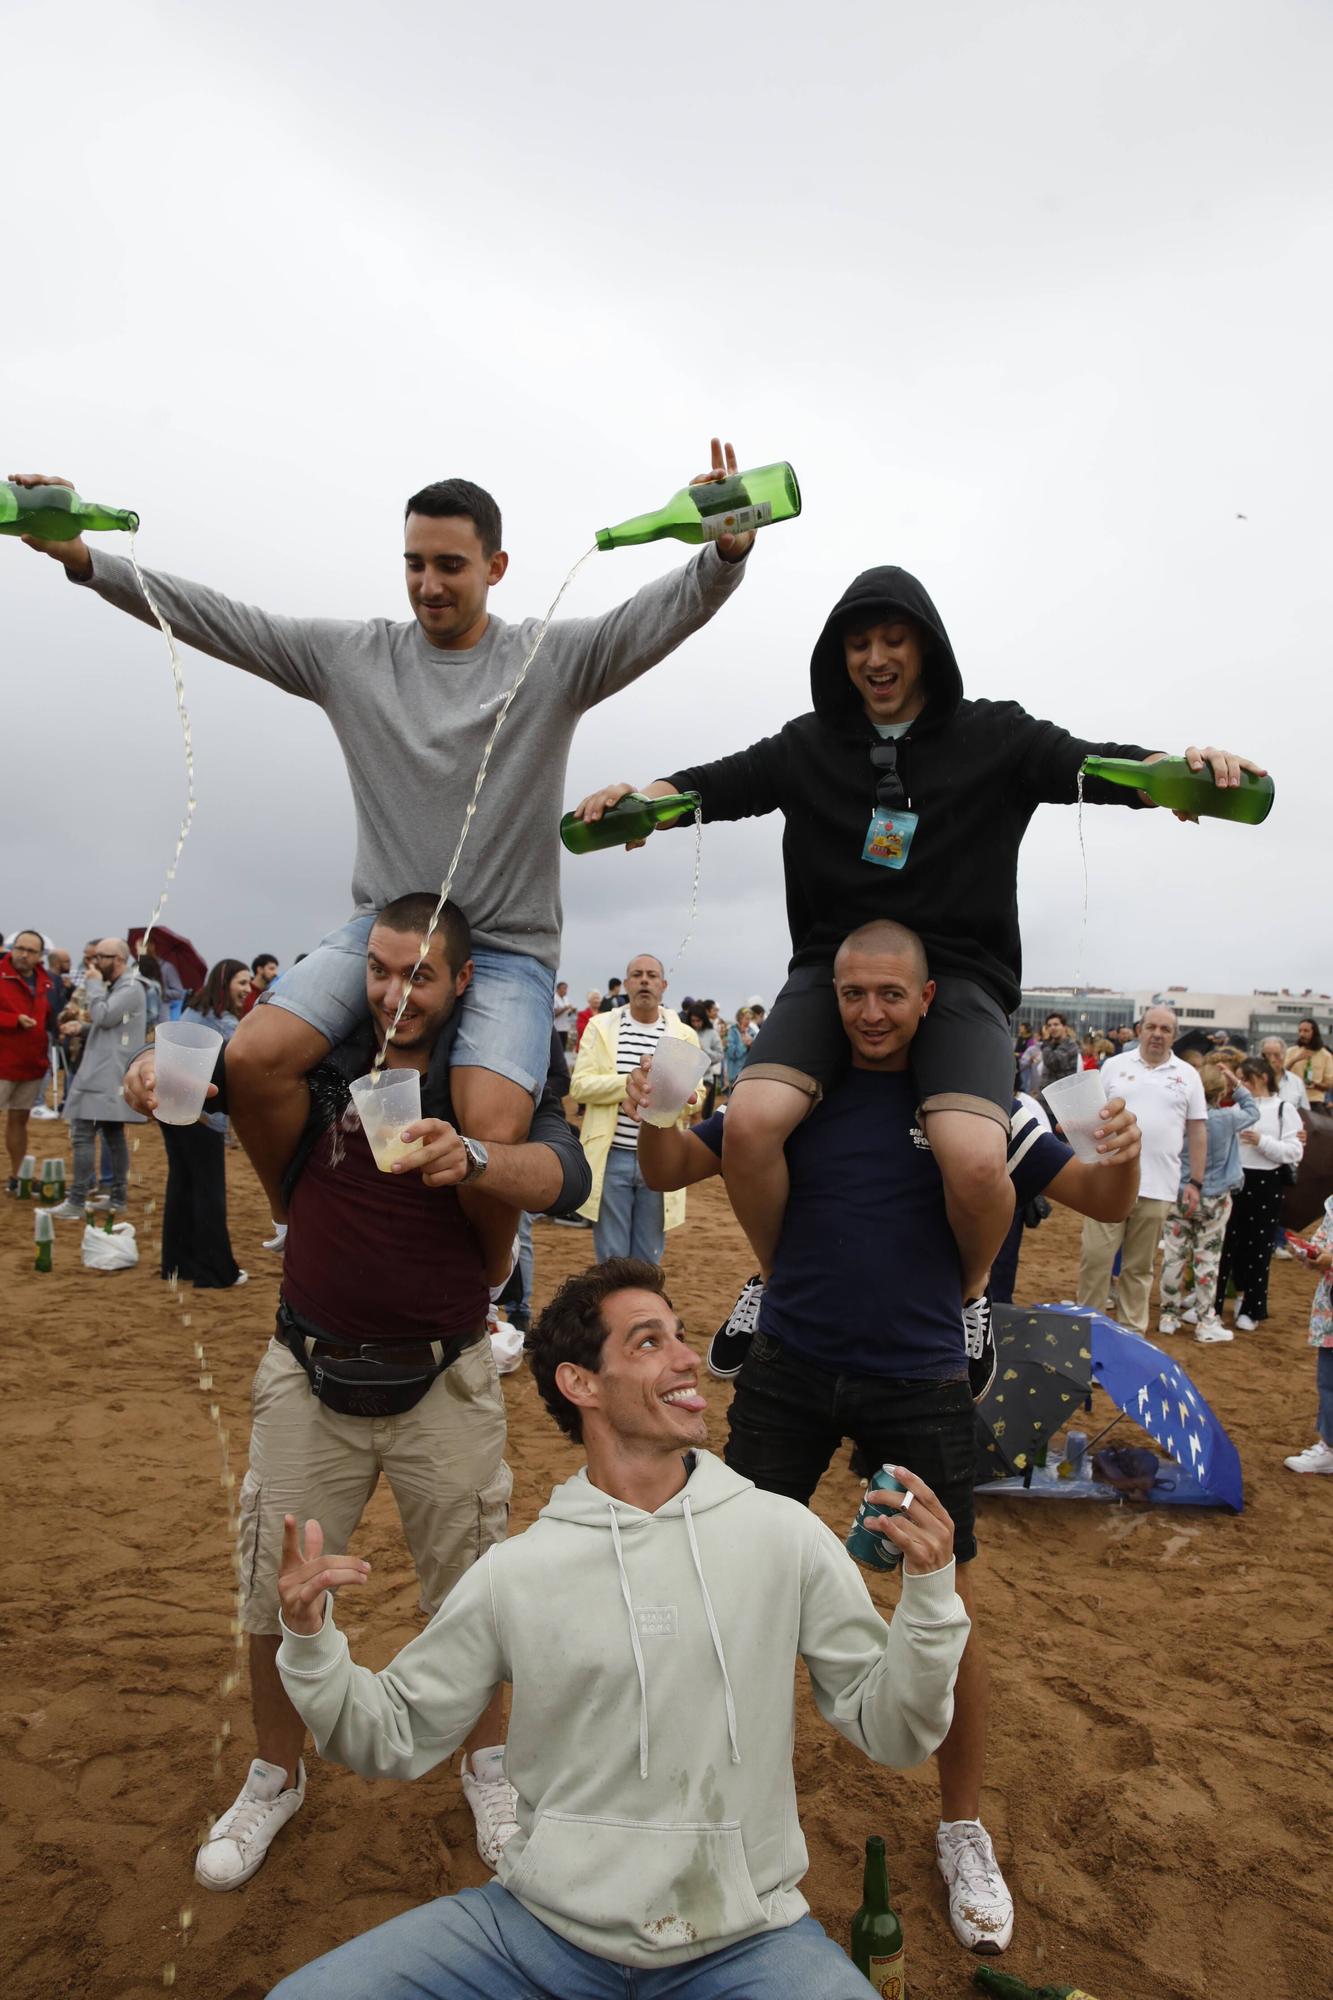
(655, 1621)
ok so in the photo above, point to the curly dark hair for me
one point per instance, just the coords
(572, 1329)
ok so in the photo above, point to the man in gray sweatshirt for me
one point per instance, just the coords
(412, 703)
(657, 1820)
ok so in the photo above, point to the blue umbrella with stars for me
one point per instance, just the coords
(1154, 1389)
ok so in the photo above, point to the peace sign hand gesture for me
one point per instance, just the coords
(305, 1574)
(731, 548)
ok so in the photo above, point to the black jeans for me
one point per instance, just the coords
(195, 1243)
(789, 1416)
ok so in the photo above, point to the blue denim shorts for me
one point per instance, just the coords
(505, 1024)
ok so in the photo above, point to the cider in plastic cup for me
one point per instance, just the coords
(184, 1055)
(1078, 1102)
(384, 1104)
(678, 1067)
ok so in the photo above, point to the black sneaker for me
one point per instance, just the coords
(979, 1340)
(12, 1184)
(731, 1343)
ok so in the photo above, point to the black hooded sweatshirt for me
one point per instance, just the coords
(974, 772)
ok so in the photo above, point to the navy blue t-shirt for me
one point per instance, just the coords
(867, 1278)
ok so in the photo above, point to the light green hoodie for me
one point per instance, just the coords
(652, 1662)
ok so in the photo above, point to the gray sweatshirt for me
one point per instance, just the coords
(413, 721)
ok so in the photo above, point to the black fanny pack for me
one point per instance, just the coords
(355, 1380)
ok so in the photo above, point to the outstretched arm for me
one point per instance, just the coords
(285, 651)
(597, 657)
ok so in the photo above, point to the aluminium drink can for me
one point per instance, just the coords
(867, 1545)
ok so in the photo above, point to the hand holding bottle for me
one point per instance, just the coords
(75, 553)
(1226, 768)
(599, 802)
(731, 548)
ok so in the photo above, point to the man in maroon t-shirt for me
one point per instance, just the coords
(381, 1360)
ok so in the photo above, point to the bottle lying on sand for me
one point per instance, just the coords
(633, 819)
(56, 513)
(716, 507)
(1171, 783)
(1005, 1987)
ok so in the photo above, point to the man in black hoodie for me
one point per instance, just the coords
(903, 800)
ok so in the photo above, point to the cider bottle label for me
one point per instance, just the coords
(736, 521)
(887, 1976)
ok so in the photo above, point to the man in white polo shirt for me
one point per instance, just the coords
(1166, 1097)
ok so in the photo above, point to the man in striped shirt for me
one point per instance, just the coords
(629, 1219)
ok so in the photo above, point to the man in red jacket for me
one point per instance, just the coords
(24, 986)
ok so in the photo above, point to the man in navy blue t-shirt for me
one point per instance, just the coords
(859, 1333)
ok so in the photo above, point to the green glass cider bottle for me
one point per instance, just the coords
(1005, 1986)
(877, 1935)
(633, 819)
(27, 1174)
(1171, 783)
(730, 506)
(56, 513)
(43, 1229)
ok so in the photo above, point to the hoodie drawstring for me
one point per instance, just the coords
(634, 1642)
(712, 1627)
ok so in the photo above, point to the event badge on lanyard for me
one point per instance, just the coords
(892, 824)
(889, 840)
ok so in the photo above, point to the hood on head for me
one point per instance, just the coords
(885, 590)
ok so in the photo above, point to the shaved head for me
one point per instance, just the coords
(885, 939)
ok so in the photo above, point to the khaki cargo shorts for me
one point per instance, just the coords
(444, 1461)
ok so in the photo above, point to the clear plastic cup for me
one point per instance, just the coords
(384, 1104)
(678, 1068)
(185, 1056)
(1078, 1105)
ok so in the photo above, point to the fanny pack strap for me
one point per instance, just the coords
(300, 1335)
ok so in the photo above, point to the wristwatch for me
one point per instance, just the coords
(478, 1159)
(1193, 1182)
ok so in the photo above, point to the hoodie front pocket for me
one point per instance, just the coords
(664, 1886)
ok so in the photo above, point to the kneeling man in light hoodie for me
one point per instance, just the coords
(657, 1825)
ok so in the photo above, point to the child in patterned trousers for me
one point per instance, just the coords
(1194, 1234)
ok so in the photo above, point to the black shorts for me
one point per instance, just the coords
(788, 1418)
(962, 1055)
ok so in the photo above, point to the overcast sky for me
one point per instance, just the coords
(1036, 298)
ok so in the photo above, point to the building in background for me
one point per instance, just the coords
(1245, 1018)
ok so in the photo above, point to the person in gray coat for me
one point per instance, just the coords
(116, 1012)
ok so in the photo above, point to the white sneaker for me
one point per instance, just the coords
(1285, 1254)
(67, 1211)
(1317, 1457)
(493, 1800)
(278, 1239)
(1191, 1315)
(1245, 1324)
(238, 1842)
(1168, 1325)
(1210, 1331)
(981, 1909)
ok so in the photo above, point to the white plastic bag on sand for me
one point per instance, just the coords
(111, 1249)
(506, 1343)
